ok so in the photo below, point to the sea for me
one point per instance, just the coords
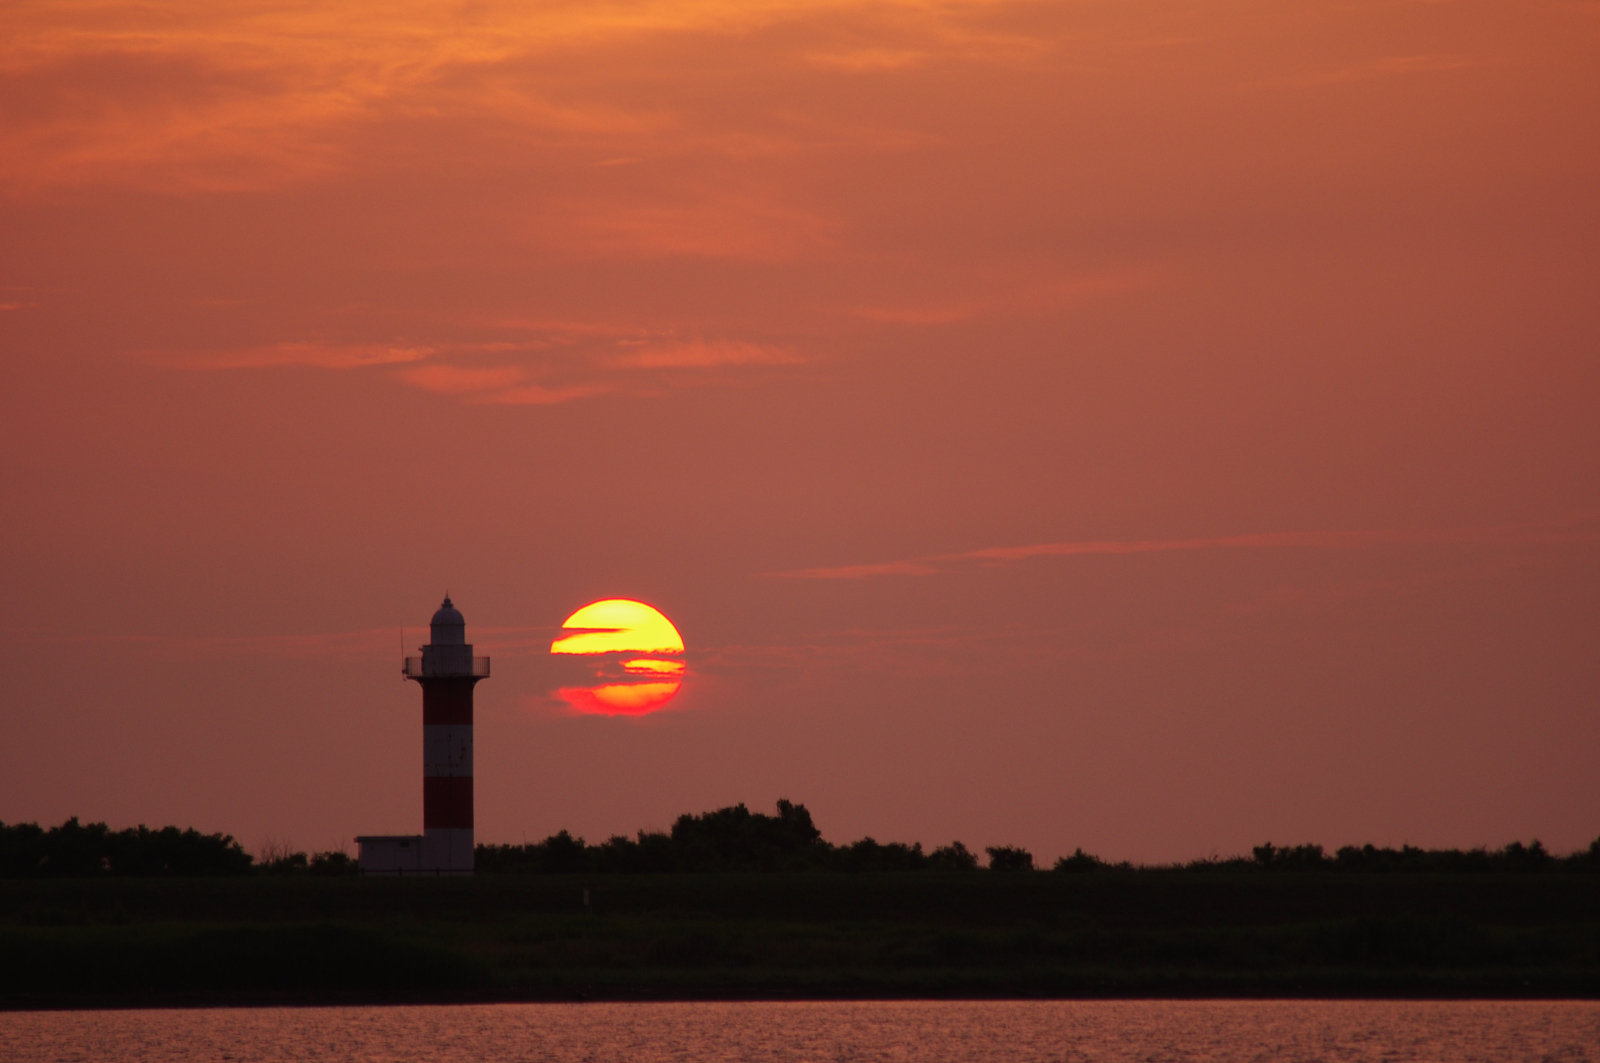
(981, 1031)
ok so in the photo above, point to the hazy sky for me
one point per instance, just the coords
(1156, 427)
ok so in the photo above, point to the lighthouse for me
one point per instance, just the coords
(447, 672)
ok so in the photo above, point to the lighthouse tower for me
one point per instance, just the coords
(447, 672)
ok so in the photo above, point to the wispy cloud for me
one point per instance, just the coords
(318, 355)
(536, 395)
(753, 225)
(340, 645)
(179, 96)
(560, 362)
(1030, 295)
(503, 385)
(364, 644)
(1578, 530)
(866, 58)
(1388, 66)
(461, 379)
(699, 354)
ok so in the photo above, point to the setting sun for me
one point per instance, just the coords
(608, 631)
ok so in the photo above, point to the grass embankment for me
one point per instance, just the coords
(307, 939)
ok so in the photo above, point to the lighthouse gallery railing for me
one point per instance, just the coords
(412, 669)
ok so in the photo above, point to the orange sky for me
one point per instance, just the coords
(1153, 427)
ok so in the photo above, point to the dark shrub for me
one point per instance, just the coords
(952, 857)
(1009, 858)
(333, 862)
(1078, 862)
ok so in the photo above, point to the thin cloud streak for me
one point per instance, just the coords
(573, 361)
(935, 564)
(461, 380)
(699, 354)
(316, 355)
(344, 645)
(1054, 295)
(534, 395)
(1389, 66)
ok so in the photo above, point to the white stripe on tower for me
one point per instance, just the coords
(447, 749)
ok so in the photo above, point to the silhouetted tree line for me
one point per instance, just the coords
(728, 839)
(278, 860)
(80, 849)
(77, 850)
(736, 839)
(1367, 859)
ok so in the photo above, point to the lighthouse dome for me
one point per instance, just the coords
(448, 627)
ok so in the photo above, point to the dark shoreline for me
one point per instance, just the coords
(206, 1001)
(303, 941)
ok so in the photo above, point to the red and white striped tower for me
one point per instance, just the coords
(447, 671)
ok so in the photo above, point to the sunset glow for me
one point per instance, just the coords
(620, 699)
(1151, 425)
(608, 630)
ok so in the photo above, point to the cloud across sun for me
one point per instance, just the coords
(615, 635)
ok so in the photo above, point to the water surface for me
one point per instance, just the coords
(985, 1032)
